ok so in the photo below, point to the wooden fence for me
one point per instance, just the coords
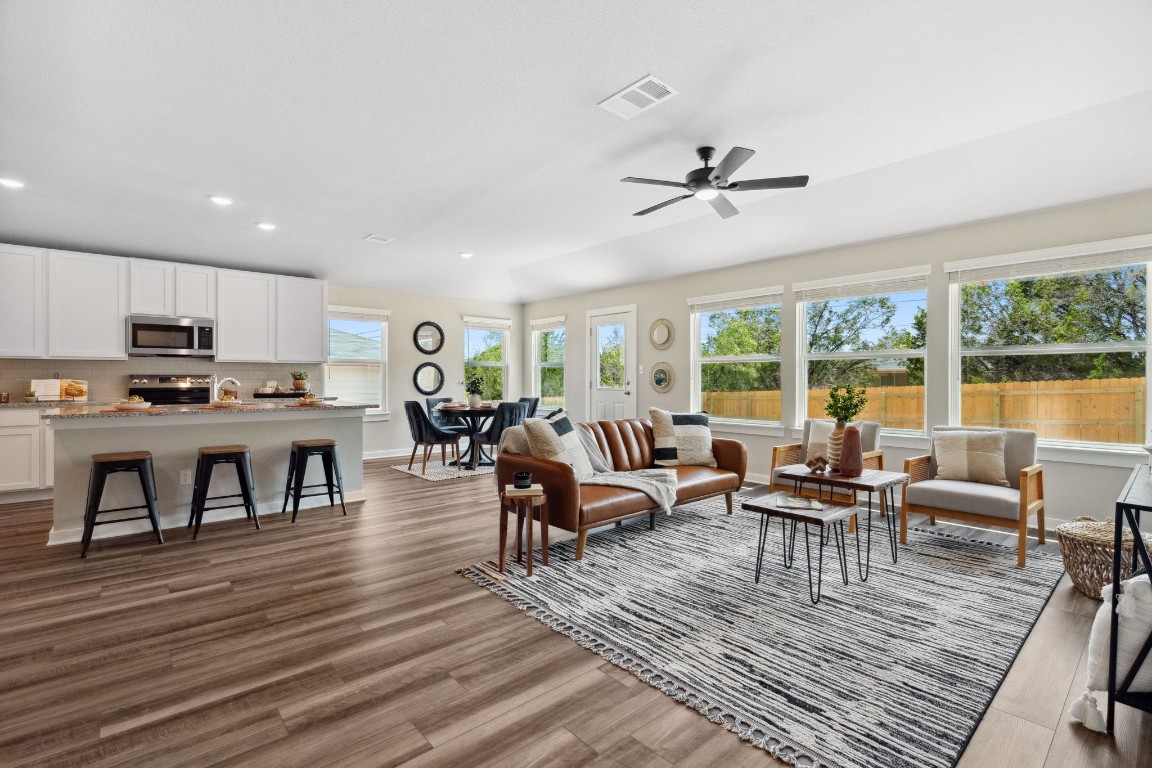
(1092, 410)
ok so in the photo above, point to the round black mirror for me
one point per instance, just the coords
(428, 379)
(428, 337)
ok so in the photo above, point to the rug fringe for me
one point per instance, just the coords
(775, 745)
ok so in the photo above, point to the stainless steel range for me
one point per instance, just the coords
(172, 390)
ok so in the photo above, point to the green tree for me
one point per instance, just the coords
(754, 331)
(491, 377)
(841, 327)
(612, 358)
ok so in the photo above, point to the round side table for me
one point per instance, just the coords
(525, 502)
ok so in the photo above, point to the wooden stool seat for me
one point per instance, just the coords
(209, 456)
(294, 486)
(105, 464)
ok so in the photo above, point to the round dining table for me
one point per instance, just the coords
(475, 418)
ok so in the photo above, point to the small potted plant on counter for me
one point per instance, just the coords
(30, 396)
(472, 387)
(299, 380)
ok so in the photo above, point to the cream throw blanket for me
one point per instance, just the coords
(658, 484)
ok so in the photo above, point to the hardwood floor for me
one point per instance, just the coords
(351, 641)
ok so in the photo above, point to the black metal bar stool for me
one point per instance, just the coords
(298, 464)
(104, 464)
(236, 455)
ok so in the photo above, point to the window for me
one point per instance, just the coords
(736, 355)
(548, 336)
(1056, 345)
(358, 356)
(868, 332)
(485, 355)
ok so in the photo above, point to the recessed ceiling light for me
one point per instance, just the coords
(466, 255)
(267, 226)
(12, 183)
(221, 200)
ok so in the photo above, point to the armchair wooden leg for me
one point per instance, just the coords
(932, 519)
(728, 501)
(1022, 542)
(581, 540)
(1040, 525)
(903, 524)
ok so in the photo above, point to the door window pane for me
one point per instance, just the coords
(610, 345)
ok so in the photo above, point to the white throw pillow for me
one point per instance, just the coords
(1135, 612)
(555, 438)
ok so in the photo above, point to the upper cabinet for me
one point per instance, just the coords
(23, 326)
(245, 316)
(152, 287)
(87, 305)
(301, 320)
(195, 291)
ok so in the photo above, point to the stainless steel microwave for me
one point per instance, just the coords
(154, 336)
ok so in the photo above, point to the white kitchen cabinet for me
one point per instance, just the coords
(301, 320)
(20, 438)
(245, 316)
(87, 305)
(23, 326)
(152, 287)
(195, 291)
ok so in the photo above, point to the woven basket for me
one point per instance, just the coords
(1086, 544)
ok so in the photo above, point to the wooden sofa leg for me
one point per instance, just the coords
(932, 519)
(652, 521)
(728, 501)
(581, 540)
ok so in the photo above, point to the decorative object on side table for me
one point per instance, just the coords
(851, 454)
(522, 480)
(472, 387)
(1087, 545)
(816, 462)
(844, 405)
(299, 380)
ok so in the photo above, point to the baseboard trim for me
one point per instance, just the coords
(392, 453)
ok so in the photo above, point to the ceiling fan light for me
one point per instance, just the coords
(707, 193)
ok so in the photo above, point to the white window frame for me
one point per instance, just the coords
(367, 314)
(540, 325)
(501, 324)
(882, 283)
(1080, 257)
(771, 296)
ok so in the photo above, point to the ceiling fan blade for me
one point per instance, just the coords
(657, 182)
(661, 205)
(731, 163)
(783, 182)
(723, 206)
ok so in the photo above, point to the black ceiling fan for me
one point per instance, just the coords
(707, 183)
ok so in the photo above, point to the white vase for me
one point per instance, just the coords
(474, 401)
(835, 443)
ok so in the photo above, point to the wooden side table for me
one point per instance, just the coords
(524, 501)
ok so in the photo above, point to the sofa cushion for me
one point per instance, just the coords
(817, 439)
(606, 502)
(694, 482)
(681, 439)
(515, 440)
(1019, 450)
(962, 496)
(555, 438)
(972, 456)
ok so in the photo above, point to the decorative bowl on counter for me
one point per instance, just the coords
(227, 403)
(309, 399)
(265, 390)
(139, 405)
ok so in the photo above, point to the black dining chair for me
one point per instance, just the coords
(444, 420)
(427, 435)
(507, 415)
(532, 403)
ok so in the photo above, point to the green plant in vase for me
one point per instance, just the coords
(472, 386)
(299, 380)
(844, 404)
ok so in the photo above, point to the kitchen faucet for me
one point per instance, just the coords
(217, 384)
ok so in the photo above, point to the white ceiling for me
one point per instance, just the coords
(456, 126)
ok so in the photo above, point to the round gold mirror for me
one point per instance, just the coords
(661, 334)
(662, 377)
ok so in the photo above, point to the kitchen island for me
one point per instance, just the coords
(174, 435)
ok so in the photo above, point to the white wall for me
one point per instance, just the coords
(390, 437)
(1076, 482)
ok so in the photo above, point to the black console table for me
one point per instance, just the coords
(1134, 499)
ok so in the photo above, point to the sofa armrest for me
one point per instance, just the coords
(558, 480)
(783, 455)
(917, 468)
(731, 455)
(874, 460)
(1031, 488)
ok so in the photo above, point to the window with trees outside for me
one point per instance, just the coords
(868, 332)
(485, 354)
(358, 356)
(1056, 346)
(548, 336)
(736, 355)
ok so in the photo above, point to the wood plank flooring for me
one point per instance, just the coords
(350, 641)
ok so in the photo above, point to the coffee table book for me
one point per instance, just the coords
(512, 492)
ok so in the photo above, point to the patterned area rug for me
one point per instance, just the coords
(894, 672)
(438, 472)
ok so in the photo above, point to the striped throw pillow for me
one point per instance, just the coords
(555, 438)
(974, 457)
(681, 439)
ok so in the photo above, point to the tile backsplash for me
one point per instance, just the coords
(108, 379)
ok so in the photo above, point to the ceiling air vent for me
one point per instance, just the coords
(379, 239)
(638, 97)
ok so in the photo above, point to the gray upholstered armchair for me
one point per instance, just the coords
(980, 502)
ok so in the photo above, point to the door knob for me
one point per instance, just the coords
(627, 391)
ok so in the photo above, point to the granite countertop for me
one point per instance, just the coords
(57, 403)
(101, 411)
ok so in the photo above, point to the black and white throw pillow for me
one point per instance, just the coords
(681, 439)
(555, 438)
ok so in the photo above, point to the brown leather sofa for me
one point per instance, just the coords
(627, 444)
